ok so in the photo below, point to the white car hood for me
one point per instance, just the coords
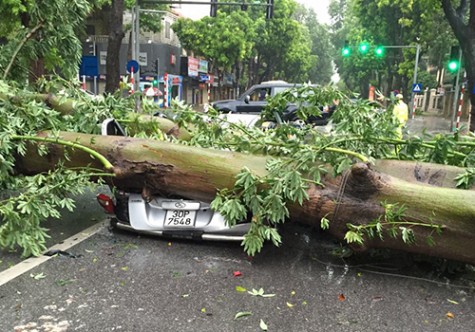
(248, 120)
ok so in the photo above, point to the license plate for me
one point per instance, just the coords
(180, 218)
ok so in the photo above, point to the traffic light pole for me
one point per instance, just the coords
(456, 93)
(416, 65)
(414, 81)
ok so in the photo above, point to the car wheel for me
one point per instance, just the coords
(113, 224)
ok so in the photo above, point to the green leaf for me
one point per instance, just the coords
(64, 282)
(38, 276)
(260, 293)
(263, 325)
(240, 289)
(242, 314)
(407, 235)
(324, 223)
(354, 237)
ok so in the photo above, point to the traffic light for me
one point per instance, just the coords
(454, 62)
(270, 9)
(379, 51)
(214, 8)
(155, 66)
(155, 83)
(346, 49)
(244, 6)
(364, 48)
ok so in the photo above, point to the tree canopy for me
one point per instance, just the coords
(292, 46)
(36, 39)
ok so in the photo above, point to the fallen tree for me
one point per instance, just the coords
(337, 180)
(352, 202)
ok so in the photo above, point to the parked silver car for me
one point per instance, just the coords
(170, 217)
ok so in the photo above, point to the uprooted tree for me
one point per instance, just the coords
(348, 181)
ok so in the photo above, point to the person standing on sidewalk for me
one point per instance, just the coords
(401, 112)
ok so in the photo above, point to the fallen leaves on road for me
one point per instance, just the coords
(240, 289)
(263, 325)
(260, 292)
(450, 315)
(341, 297)
(242, 314)
(38, 276)
(63, 282)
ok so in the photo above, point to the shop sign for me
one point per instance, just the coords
(193, 65)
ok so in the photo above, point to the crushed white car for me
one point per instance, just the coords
(163, 216)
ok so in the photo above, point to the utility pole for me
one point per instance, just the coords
(414, 81)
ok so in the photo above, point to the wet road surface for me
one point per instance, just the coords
(124, 282)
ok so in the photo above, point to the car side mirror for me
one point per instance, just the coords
(247, 99)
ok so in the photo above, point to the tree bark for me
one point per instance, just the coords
(116, 34)
(154, 167)
(465, 34)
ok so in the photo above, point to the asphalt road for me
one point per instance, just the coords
(87, 213)
(124, 282)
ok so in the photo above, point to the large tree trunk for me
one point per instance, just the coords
(155, 167)
(116, 34)
(464, 31)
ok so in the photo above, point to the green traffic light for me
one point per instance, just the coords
(345, 51)
(364, 47)
(453, 66)
(379, 51)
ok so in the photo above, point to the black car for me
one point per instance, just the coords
(253, 100)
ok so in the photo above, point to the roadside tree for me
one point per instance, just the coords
(37, 42)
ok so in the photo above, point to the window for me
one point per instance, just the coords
(260, 94)
(167, 30)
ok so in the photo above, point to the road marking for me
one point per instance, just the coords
(29, 263)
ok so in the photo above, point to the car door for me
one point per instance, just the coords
(254, 101)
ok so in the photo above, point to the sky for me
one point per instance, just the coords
(319, 6)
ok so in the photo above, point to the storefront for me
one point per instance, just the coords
(198, 83)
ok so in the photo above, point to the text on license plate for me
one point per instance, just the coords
(180, 218)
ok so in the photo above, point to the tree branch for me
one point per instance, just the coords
(454, 19)
(22, 42)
